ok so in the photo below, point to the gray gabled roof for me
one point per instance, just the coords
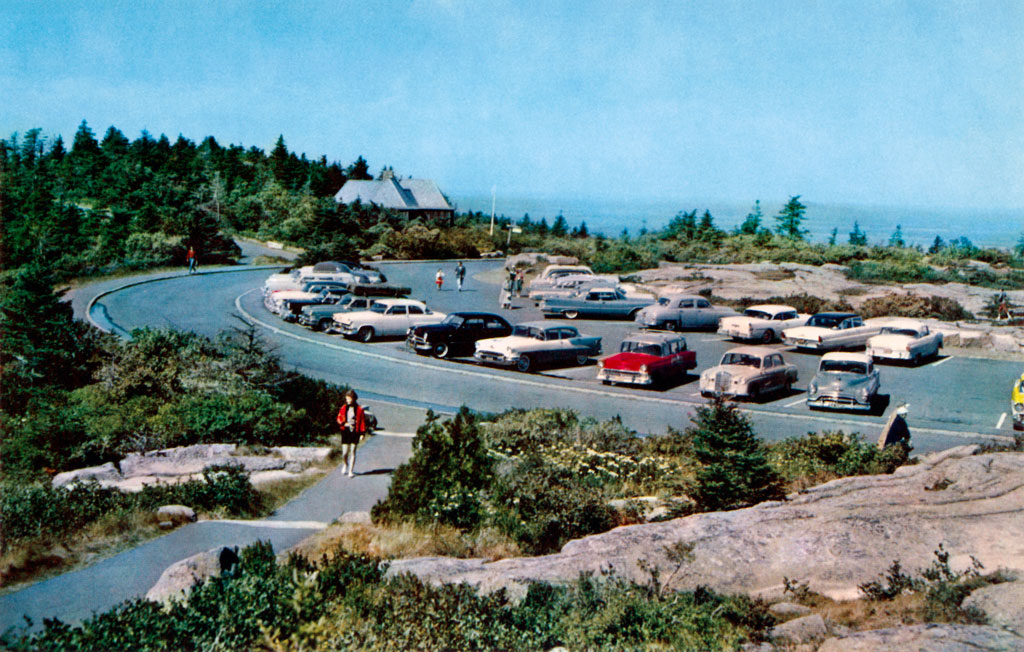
(398, 194)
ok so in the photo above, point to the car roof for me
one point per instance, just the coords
(842, 315)
(683, 296)
(846, 355)
(903, 323)
(468, 315)
(599, 289)
(759, 351)
(401, 302)
(543, 325)
(771, 307)
(653, 337)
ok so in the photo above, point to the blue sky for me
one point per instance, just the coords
(869, 102)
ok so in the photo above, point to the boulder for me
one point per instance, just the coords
(930, 637)
(177, 461)
(178, 578)
(356, 517)
(105, 473)
(1002, 603)
(834, 536)
(786, 610)
(176, 513)
(807, 629)
(303, 454)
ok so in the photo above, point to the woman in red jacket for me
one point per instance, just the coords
(352, 420)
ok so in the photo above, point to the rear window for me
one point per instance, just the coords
(825, 321)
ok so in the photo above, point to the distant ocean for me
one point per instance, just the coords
(990, 228)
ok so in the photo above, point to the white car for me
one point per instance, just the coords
(533, 344)
(831, 331)
(905, 339)
(570, 284)
(845, 381)
(552, 273)
(764, 323)
(386, 318)
(348, 272)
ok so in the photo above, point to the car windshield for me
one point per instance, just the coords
(744, 359)
(526, 331)
(379, 307)
(825, 321)
(844, 367)
(756, 314)
(892, 330)
(640, 347)
(453, 320)
(664, 301)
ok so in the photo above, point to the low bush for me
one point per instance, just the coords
(818, 457)
(803, 303)
(914, 306)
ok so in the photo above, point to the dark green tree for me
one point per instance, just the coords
(359, 170)
(857, 237)
(789, 219)
(683, 226)
(752, 222)
(734, 470)
(937, 245)
(832, 236)
(560, 228)
(896, 239)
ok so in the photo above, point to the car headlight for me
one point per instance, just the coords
(864, 394)
(1018, 407)
(600, 364)
(812, 388)
(643, 368)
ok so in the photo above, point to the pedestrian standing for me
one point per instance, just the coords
(506, 295)
(519, 283)
(352, 420)
(460, 274)
(1004, 309)
(191, 258)
(439, 279)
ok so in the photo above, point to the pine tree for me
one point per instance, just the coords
(753, 220)
(560, 228)
(937, 245)
(857, 237)
(896, 239)
(790, 218)
(734, 469)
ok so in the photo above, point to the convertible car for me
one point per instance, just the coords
(750, 371)
(682, 312)
(906, 340)
(457, 334)
(845, 381)
(386, 317)
(533, 344)
(606, 302)
(648, 359)
(764, 323)
(831, 331)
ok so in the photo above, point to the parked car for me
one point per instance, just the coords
(550, 275)
(386, 318)
(682, 312)
(648, 359)
(288, 303)
(360, 274)
(568, 285)
(321, 317)
(606, 302)
(830, 331)
(904, 339)
(764, 323)
(533, 344)
(845, 381)
(1017, 403)
(296, 279)
(457, 334)
(750, 371)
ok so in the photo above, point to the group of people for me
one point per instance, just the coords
(460, 276)
(512, 287)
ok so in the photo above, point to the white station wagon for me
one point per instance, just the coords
(905, 339)
(386, 318)
(831, 331)
(764, 323)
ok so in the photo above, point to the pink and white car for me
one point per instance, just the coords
(763, 323)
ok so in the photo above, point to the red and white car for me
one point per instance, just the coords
(648, 359)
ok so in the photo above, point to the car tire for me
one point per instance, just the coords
(787, 388)
(441, 350)
(524, 363)
(571, 314)
(768, 336)
(365, 334)
(754, 392)
(672, 326)
(632, 314)
(582, 359)
(324, 324)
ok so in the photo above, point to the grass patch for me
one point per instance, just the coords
(407, 539)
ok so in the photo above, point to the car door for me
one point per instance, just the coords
(469, 331)
(396, 320)
(687, 313)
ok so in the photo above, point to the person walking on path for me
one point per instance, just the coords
(439, 279)
(191, 258)
(506, 295)
(352, 420)
(460, 274)
(519, 283)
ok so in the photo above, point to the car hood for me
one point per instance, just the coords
(629, 360)
(839, 380)
(809, 332)
(734, 370)
(424, 329)
(506, 343)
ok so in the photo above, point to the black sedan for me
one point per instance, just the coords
(457, 334)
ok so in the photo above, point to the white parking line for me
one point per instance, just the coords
(797, 402)
(938, 362)
(1002, 418)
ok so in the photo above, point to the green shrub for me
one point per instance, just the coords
(914, 306)
(888, 272)
(831, 454)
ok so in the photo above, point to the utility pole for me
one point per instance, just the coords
(494, 189)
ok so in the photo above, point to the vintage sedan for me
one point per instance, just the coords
(764, 323)
(831, 331)
(533, 344)
(321, 317)
(750, 371)
(457, 334)
(568, 285)
(1017, 403)
(605, 302)
(905, 340)
(845, 381)
(648, 359)
(682, 312)
(385, 318)
(550, 275)
(289, 303)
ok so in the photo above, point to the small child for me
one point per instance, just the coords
(439, 279)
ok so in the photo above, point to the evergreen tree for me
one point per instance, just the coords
(896, 239)
(937, 245)
(857, 237)
(360, 170)
(752, 222)
(683, 226)
(1019, 247)
(832, 237)
(560, 228)
(583, 233)
(734, 469)
(790, 218)
(542, 226)
(706, 229)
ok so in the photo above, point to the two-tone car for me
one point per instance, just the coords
(535, 344)
(748, 371)
(600, 302)
(386, 318)
(904, 340)
(568, 285)
(679, 312)
(550, 275)
(321, 317)
(1017, 403)
(289, 303)
(648, 358)
(845, 381)
(457, 334)
(831, 331)
(763, 323)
